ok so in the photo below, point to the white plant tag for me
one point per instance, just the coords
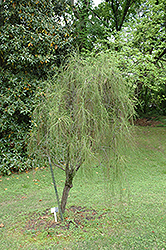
(54, 210)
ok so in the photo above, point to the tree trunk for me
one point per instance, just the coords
(65, 196)
(68, 183)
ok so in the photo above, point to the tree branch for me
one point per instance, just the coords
(79, 165)
(115, 12)
(76, 13)
(125, 11)
(58, 166)
(96, 15)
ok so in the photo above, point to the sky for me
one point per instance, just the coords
(97, 2)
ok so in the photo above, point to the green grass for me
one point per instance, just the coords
(127, 216)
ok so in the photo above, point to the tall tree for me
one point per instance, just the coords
(116, 13)
(141, 51)
(89, 23)
(147, 43)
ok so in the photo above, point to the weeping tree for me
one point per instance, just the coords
(82, 115)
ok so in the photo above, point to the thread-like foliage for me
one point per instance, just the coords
(85, 114)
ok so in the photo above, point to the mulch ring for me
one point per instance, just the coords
(152, 122)
(77, 217)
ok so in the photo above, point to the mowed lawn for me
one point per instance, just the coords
(129, 214)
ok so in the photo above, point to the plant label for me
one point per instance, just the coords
(54, 210)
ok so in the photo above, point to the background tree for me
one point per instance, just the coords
(141, 54)
(116, 13)
(33, 43)
(89, 23)
(79, 20)
(84, 117)
(146, 56)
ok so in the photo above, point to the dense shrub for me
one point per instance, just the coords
(33, 43)
(16, 105)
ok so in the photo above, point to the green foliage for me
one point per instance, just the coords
(86, 108)
(145, 57)
(148, 82)
(135, 33)
(88, 23)
(33, 43)
(140, 52)
(16, 105)
(114, 15)
(79, 20)
(32, 37)
(83, 117)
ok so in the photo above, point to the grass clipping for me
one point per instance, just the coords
(84, 115)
